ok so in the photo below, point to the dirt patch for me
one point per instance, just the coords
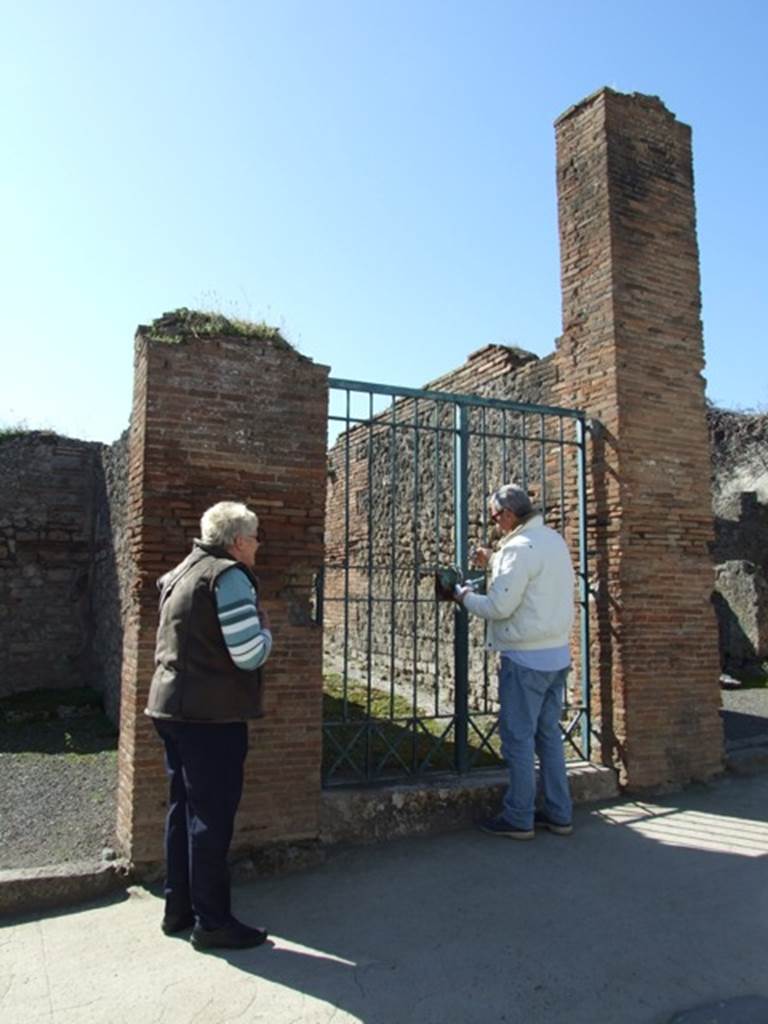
(58, 762)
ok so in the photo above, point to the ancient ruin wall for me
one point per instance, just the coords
(112, 575)
(421, 644)
(739, 444)
(223, 411)
(47, 512)
(632, 355)
(86, 647)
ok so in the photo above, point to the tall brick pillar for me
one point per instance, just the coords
(631, 355)
(219, 415)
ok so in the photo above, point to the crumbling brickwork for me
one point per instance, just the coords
(739, 444)
(64, 566)
(47, 510)
(632, 355)
(113, 575)
(239, 417)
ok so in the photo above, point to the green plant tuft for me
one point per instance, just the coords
(10, 431)
(179, 325)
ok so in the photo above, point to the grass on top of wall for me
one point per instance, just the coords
(180, 325)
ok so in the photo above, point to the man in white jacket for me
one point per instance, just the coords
(529, 607)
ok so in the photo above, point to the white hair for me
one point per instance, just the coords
(224, 521)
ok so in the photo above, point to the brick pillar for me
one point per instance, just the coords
(631, 355)
(228, 417)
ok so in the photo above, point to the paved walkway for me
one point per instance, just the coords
(650, 909)
(745, 717)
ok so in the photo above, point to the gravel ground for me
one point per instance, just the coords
(57, 794)
(59, 780)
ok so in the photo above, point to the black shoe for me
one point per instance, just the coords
(173, 923)
(234, 935)
(540, 820)
(499, 826)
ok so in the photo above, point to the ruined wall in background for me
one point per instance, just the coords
(391, 494)
(112, 575)
(47, 510)
(739, 444)
(62, 497)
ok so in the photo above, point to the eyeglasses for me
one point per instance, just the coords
(259, 536)
(496, 516)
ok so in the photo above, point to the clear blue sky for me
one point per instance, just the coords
(376, 177)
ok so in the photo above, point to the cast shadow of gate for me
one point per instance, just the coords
(650, 908)
(358, 742)
(603, 447)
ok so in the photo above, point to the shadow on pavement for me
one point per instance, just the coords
(740, 726)
(650, 908)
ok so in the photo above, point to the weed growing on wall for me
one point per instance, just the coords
(10, 431)
(181, 324)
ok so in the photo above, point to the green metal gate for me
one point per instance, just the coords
(409, 686)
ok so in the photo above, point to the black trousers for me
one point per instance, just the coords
(204, 762)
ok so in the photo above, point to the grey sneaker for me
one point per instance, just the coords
(540, 820)
(499, 826)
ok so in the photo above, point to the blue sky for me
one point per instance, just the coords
(376, 177)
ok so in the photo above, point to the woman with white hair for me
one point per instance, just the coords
(212, 639)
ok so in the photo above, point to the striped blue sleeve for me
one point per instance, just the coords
(247, 641)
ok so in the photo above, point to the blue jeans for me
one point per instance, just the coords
(529, 716)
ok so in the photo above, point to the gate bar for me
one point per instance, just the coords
(461, 619)
(447, 396)
(581, 433)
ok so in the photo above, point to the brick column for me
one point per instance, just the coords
(228, 416)
(631, 355)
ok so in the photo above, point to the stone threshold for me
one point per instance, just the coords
(24, 890)
(375, 814)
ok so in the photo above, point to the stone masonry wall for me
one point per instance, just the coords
(739, 443)
(217, 417)
(112, 575)
(47, 510)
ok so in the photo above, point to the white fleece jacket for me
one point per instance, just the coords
(529, 604)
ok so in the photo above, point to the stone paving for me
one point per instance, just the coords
(650, 910)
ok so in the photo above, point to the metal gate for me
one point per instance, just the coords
(409, 686)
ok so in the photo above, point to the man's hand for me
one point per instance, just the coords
(460, 593)
(481, 557)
